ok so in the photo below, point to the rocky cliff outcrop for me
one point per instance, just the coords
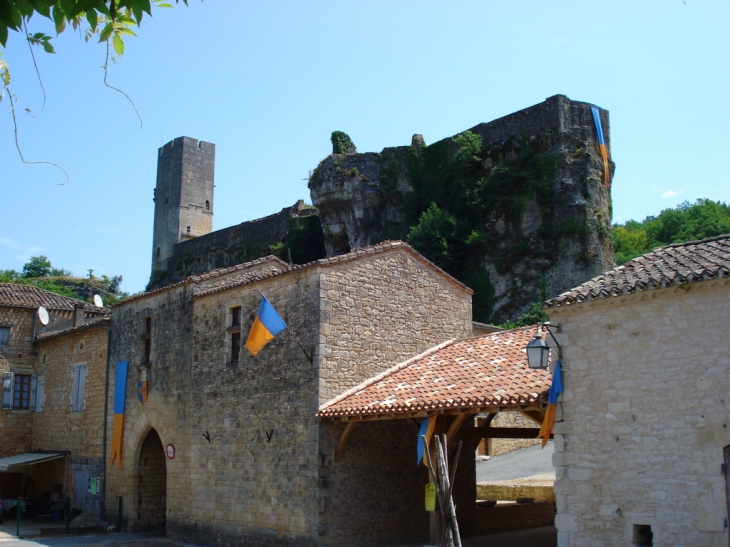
(526, 196)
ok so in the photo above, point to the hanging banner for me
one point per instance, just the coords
(601, 144)
(120, 400)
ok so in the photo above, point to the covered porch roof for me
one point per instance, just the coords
(12, 463)
(485, 374)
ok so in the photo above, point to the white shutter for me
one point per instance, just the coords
(7, 390)
(77, 390)
(40, 394)
(82, 386)
(33, 390)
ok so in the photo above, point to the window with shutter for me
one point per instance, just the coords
(4, 336)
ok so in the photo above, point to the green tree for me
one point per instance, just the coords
(533, 314)
(37, 266)
(435, 237)
(687, 222)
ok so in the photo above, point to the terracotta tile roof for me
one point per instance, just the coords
(371, 250)
(203, 277)
(677, 264)
(15, 295)
(485, 371)
(96, 322)
(213, 274)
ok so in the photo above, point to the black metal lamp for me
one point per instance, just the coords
(538, 352)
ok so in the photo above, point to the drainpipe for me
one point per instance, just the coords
(102, 504)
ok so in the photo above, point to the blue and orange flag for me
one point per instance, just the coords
(120, 400)
(266, 325)
(601, 144)
(555, 390)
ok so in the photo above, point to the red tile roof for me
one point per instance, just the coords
(677, 264)
(14, 295)
(371, 250)
(485, 371)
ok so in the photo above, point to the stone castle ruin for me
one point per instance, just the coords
(526, 205)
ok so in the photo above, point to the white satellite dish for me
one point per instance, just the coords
(98, 301)
(43, 315)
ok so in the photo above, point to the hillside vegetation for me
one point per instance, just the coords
(39, 272)
(687, 222)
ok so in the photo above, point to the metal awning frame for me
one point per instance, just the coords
(11, 463)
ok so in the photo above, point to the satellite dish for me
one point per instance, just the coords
(43, 315)
(98, 301)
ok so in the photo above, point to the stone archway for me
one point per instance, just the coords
(152, 483)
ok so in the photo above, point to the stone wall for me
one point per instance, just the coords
(15, 425)
(378, 312)
(233, 245)
(644, 417)
(255, 482)
(167, 407)
(57, 427)
(508, 490)
(496, 447)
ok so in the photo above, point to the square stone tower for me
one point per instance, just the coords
(183, 196)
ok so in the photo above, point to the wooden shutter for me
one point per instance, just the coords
(40, 394)
(7, 390)
(82, 387)
(33, 390)
(77, 390)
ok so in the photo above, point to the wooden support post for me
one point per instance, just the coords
(343, 440)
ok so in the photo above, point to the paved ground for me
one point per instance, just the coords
(519, 464)
(537, 537)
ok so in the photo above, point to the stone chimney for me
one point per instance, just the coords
(78, 315)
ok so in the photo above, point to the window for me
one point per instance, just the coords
(4, 336)
(147, 340)
(188, 230)
(207, 205)
(19, 391)
(234, 332)
(158, 252)
(77, 389)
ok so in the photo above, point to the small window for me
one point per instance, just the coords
(188, 230)
(147, 340)
(207, 205)
(235, 346)
(4, 336)
(236, 317)
(167, 200)
(77, 390)
(158, 252)
(234, 334)
(643, 535)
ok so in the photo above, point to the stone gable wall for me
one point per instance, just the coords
(380, 311)
(644, 418)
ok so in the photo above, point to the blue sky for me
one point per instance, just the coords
(267, 82)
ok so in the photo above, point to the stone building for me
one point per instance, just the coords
(51, 422)
(642, 443)
(227, 449)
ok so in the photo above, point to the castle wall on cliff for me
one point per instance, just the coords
(534, 248)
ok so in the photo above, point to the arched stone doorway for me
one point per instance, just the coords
(152, 481)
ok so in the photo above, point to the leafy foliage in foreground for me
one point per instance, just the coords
(687, 222)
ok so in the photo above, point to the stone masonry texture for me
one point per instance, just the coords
(252, 462)
(644, 418)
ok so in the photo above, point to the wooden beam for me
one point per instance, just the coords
(534, 415)
(500, 433)
(457, 423)
(343, 440)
